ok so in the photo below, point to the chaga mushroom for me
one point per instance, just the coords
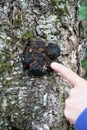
(14, 128)
(38, 55)
(53, 51)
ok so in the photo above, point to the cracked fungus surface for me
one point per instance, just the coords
(38, 55)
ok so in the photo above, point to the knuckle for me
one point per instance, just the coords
(72, 92)
(66, 113)
(66, 101)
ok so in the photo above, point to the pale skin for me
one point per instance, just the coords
(77, 100)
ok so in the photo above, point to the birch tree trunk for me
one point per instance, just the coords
(29, 102)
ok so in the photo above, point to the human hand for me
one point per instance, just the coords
(77, 100)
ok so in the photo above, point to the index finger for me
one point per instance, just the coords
(69, 74)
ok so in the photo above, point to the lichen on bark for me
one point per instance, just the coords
(29, 102)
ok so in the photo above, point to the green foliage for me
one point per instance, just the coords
(60, 7)
(83, 2)
(83, 12)
(84, 64)
(5, 65)
(55, 2)
(18, 18)
(28, 35)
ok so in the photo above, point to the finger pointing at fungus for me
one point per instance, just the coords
(69, 74)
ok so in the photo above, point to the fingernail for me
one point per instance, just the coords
(53, 64)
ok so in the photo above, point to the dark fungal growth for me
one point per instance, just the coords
(52, 51)
(14, 128)
(38, 55)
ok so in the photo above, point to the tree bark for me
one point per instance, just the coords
(29, 102)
